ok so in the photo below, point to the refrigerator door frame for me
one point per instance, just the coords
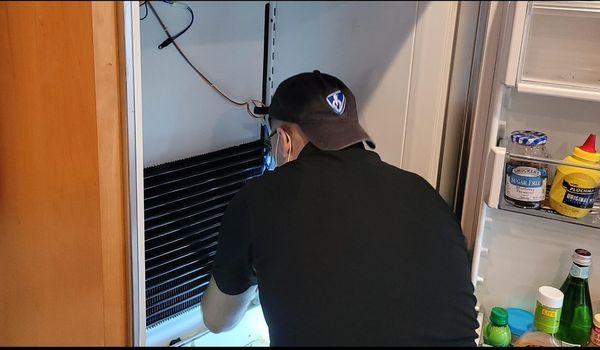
(133, 78)
(483, 126)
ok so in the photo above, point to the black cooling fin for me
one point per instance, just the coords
(184, 203)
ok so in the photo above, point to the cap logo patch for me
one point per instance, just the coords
(337, 102)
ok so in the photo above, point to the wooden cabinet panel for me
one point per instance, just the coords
(63, 253)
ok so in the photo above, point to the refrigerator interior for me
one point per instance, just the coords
(517, 252)
(182, 115)
(175, 115)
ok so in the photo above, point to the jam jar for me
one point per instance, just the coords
(526, 181)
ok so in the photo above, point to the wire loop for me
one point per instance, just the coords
(249, 104)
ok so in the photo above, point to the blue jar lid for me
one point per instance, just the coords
(528, 137)
(519, 321)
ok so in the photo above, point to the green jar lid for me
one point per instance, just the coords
(499, 316)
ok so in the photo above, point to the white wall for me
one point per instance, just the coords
(183, 116)
(368, 45)
(429, 84)
(394, 56)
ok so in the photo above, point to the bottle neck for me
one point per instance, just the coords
(496, 324)
(577, 271)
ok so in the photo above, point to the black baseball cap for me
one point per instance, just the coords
(323, 106)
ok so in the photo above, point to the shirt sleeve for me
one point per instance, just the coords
(232, 268)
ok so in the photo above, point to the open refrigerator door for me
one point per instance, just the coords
(540, 73)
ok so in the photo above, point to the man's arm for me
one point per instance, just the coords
(233, 283)
(221, 311)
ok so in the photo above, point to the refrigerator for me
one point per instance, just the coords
(440, 87)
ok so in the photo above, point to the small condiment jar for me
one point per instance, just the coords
(595, 334)
(548, 309)
(525, 182)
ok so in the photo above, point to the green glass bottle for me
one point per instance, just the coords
(576, 319)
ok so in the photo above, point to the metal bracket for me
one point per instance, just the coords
(271, 51)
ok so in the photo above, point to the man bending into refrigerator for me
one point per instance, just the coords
(344, 248)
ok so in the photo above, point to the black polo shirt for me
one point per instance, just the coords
(348, 250)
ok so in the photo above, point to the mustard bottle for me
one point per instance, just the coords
(574, 190)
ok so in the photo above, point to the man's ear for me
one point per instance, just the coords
(284, 139)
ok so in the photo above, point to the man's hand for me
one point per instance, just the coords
(222, 312)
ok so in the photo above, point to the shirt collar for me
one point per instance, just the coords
(309, 149)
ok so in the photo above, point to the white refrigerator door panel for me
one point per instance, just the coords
(514, 254)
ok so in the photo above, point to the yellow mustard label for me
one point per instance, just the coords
(573, 192)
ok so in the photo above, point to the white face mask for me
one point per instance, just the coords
(273, 163)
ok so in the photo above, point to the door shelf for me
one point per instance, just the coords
(560, 50)
(592, 220)
(546, 211)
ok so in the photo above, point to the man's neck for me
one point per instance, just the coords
(298, 148)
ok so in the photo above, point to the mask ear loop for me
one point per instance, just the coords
(289, 155)
(276, 147)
